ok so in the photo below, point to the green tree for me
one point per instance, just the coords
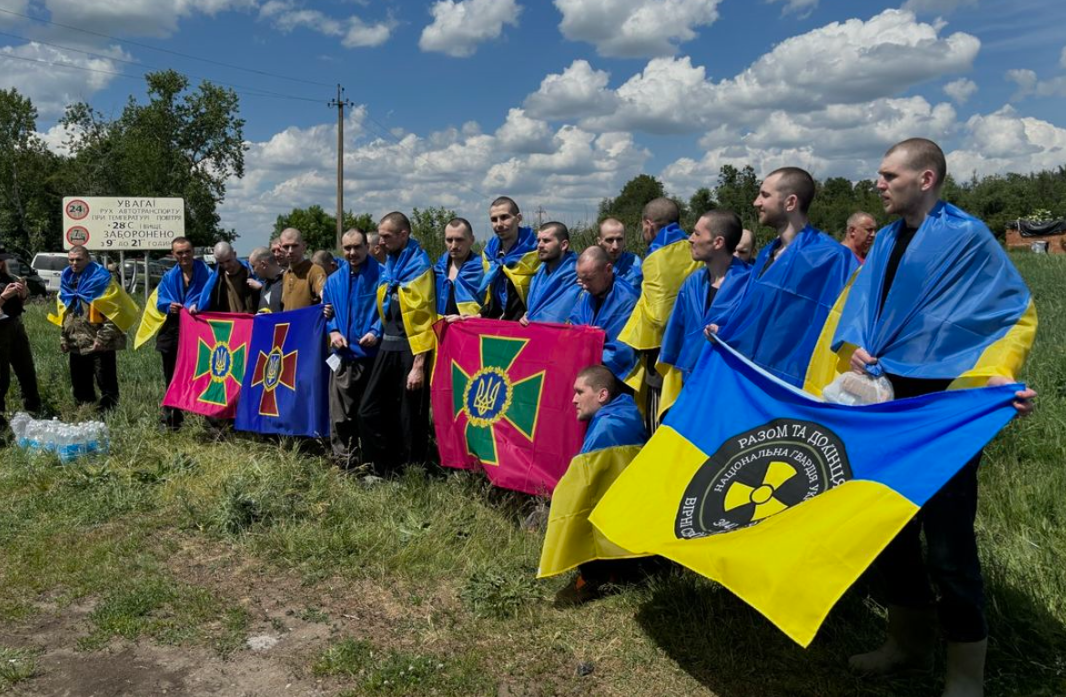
(736, 190)
(427, 226)
(319, 228)
(180, 143)
(29, 201)
(629, 204)
(702, 201)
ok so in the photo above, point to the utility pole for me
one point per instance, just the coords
(540, 216)
(339, 103)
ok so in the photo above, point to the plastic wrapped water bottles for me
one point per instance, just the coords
(67, 441)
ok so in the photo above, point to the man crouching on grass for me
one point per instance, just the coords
(614, 436)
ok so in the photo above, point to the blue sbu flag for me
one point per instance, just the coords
(782, 498)
(285, 384)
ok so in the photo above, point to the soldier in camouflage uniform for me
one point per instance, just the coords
(91, 340)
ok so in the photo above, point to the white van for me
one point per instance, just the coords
(50, 266)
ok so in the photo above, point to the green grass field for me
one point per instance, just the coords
(158, 544)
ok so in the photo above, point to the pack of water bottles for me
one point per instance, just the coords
(68, 441)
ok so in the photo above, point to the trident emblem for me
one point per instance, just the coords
(485, 397)
(220, 361)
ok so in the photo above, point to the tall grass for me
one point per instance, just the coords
(449, 557)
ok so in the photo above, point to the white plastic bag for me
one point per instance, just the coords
(852, 389)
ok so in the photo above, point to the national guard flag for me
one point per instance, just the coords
(285, 386)
(785, 499)
(211, 360)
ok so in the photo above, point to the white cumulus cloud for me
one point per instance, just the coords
(353, 32)
(635, 28)
(37, 71)
(1005, 141)
(801, 8)
(458, 27)
(936, 7)
(157, 18)
(578, 91)
(960, 90)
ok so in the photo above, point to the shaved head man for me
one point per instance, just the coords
(612, 239)
(605, 302)
(228, 290)
(554, 287)
(459, 273)
(859, 234)
(745, 250)
(940, 284)
(510, 258)
(303, 281)
(265, 265)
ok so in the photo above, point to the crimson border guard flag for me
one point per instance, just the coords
(211, 363)
(285, 386)
(785, 499)
(502, 398)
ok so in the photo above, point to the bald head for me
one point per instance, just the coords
(859, 234)
(920, 154)
(657, 214)
(292, 245)
(325, 260)
(595, 273)
(223, 250)
(746, 247)
(612, 238)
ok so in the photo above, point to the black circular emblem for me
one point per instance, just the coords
(759, 473)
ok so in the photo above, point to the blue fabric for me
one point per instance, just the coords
(172, 286)
(289, 363)
(628, 269)
(552, 294)
(955, 293)
(666, 236)
(779, 319)
(617, 423)
(495, 281)
(401, 269)
(205, 304)
(466, 283)
(683, 339)
(92, 282)
(913, 446)
(354, 301)
(610, 316)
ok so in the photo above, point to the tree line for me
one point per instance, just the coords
(186, 143)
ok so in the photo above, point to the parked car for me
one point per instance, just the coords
(50, 266)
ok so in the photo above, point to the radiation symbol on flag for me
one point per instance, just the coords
(497, 406)
(225, 366)
(760, 473)
(274, 369)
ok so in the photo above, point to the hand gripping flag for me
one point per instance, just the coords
(211, 363)
(285, 386)
(784, 499)
(171, 289)
(502, 398)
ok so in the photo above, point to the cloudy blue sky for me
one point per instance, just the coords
(559, 103)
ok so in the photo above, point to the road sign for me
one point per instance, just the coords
(103, 223)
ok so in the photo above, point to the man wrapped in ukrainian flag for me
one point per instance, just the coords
(938, 305)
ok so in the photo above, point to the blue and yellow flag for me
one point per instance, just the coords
(683, 339)
(610, 314)
(171, 289)
(518, 264)
(628, 268)
(552, 294)
(410, 274)
(957, 308)
(614, 437)
(465, 286)
(668, 264)
(786, 303)
(99, 292)
(785, 499)
(285, 385)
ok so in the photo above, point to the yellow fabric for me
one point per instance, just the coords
(114, 303)
(570, 539)
(792, 567)
(418, 308)
(1005, 357)
(672, 384)
(826, 364)
(635, 381)
(665, 270)
(151, 321)
(469, 309)
(522, 274)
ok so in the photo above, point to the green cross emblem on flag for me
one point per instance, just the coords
(496, 404)
(216, 360)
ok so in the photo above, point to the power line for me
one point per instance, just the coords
(272, 95)
(104, 56)
(166, 50)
